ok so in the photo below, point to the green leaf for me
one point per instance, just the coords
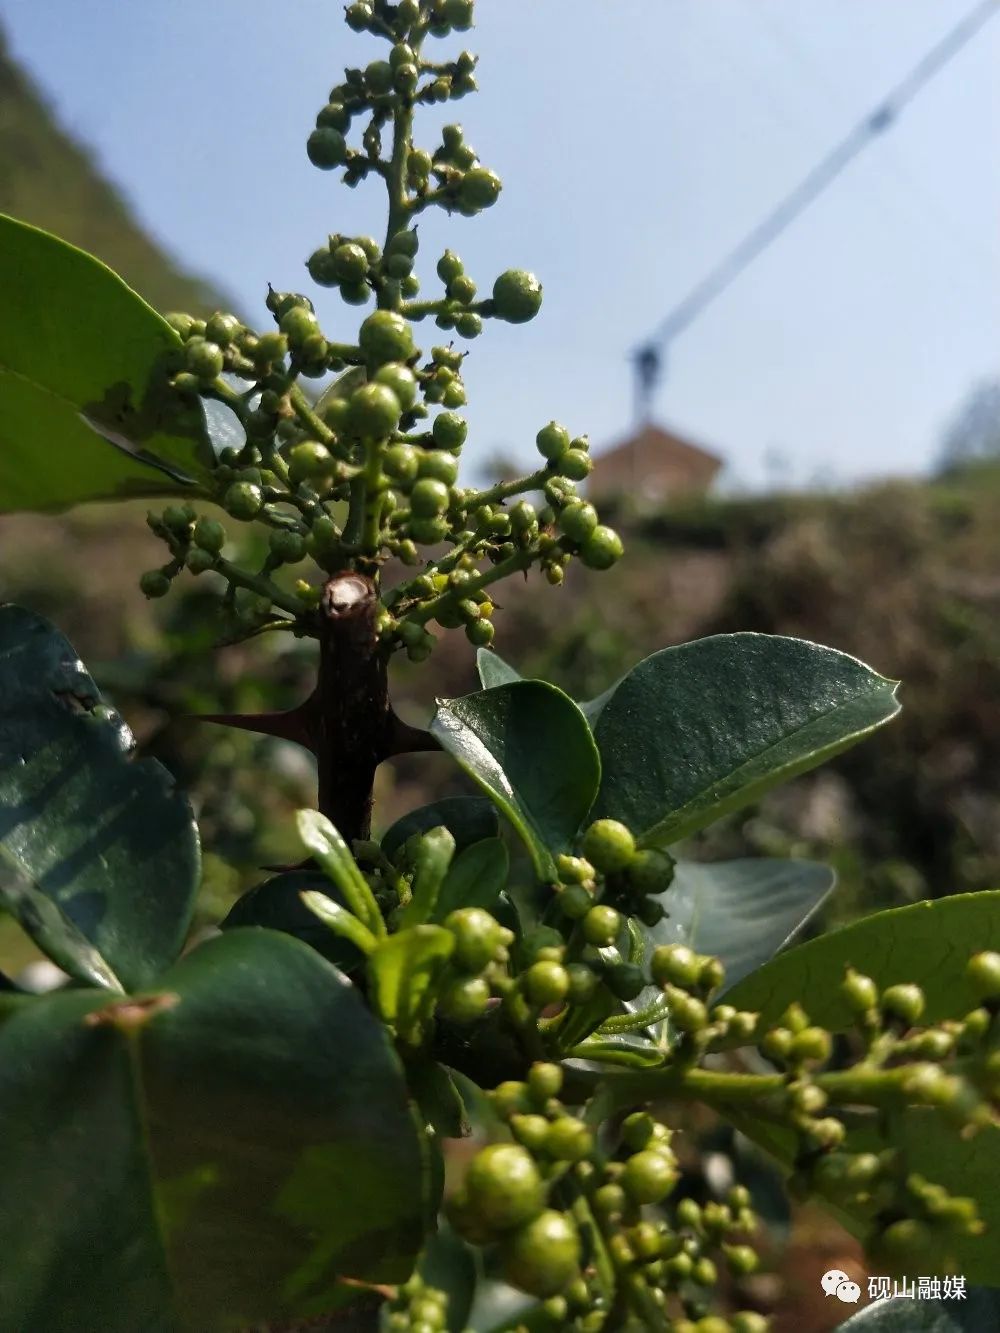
(277, 905)
(107, 838)
(530, 749)
(469, 819)
(928, 943)
(439, 1100)
(87, 413)
(977, 1312)
(476, 878)
(696, 731)
(320, 837)
(741, 912)
(403, 970)
(340, 921)
(493, 670)
(430, 857)
(449, 1265)
(205, 1159)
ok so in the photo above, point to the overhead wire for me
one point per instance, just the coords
(648, 357)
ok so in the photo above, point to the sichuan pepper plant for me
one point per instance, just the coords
(251, 1130)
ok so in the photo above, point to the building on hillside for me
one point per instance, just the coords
(652, 466)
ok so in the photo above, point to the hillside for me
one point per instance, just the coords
(50, 180)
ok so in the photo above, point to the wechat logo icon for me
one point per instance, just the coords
(837, 1283)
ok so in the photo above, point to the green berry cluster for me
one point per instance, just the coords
(417, 1308)
(382, 443)
(548, 1200)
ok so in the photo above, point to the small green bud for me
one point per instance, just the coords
(478, 935)
(583, 982)
(204, 359)
(545, 1081)
(860, 993)
(905, 1002)
(530, 1130)
(449, 267)
(575, 465)
(449, 431)
(327, 148)
(552, 441)
(983, 975)
(813, 1044)
(289, 547)
(198, 560)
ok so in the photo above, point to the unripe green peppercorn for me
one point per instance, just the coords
(222, 329)
(349, 262)
(503, 1186)
(375, 411)
(904, 1002)
(546, 983)
(530, 1130)
(449, 431)
(209, 535)
(478, 936)
(601, 548)
(480, 633)
(309, 459)
(578, 519)
(400, 463)
(199, 561)
(386, 336)
(517, 296)
(812, 1044)
(608, 845)
(469, 324)
(465, 1000)
(583, 982)
(543, 1256)
(438, 464)
(675, 964)
(243, 500)
(625, 980)
(545, 1081)
(204, 359)
(575, 464)
(569, 1140)
(601, 926)
(154, 583)
(429, 498)
(326, 148)
(401, 380)
(859, 992)
(983, 975)
(288, 547)
(449, 267)
(649, 1176)
(575, 902)
(552, 441)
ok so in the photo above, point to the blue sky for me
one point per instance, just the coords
(638, 140)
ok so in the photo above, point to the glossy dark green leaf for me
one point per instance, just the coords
(220, 1167)
(928, 943)
(402, 972)
(469, 819)
(493, 670)
(696, 731)
(107, 837)
(85, 409)
(529, 747)
(476, 878)
(741, 912)
(277, 905)
(498, 1308)
(438, 1099)
(977, 1311)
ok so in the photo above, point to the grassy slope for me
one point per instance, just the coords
(50, 180)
